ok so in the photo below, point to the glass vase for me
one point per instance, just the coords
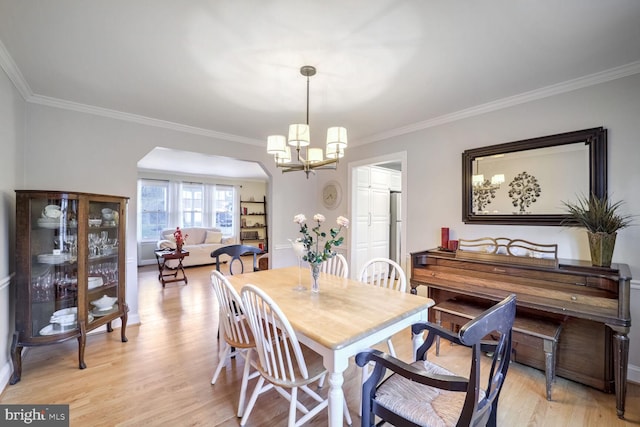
(315, 278)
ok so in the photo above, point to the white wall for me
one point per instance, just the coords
(434, 172)
(12, 122)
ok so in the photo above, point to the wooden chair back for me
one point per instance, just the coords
(235, 252)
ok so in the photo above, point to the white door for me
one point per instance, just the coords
(372, 208)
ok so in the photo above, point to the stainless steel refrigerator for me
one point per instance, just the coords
(395, 232)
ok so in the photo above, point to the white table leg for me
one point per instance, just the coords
(336, 398)
(336, 363)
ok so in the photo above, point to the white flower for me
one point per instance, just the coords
(299, 219)
(318, 218)
(343, 222)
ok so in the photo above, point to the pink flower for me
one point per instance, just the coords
(299, 219)
(318, 218)
(343, 222)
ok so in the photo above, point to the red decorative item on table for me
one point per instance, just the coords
(444, 237)
(180, 239)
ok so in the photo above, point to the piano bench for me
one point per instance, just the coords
(542, 333)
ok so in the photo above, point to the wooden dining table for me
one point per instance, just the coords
(341, 320)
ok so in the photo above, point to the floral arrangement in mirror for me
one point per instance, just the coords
(524, 191)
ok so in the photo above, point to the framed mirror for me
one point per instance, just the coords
(524, 182)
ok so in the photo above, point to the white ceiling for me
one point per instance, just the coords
(168, 160)
(385, 67)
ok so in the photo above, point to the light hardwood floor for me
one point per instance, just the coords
(162, 375)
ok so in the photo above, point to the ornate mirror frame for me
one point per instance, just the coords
(595, 139)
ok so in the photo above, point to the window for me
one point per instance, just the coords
(170, 204)
(154, 204)
(223, 208)
(192, 204)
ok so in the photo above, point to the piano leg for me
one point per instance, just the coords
(620, 360)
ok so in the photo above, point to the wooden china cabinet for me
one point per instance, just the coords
(70, 268)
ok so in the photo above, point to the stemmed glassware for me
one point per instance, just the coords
(298, 249)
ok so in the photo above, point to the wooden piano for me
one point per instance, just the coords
(591, 302)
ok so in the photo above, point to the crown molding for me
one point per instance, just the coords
(545, 92)
(13, 72)
(135, 118)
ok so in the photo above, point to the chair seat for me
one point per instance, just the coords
(424, 405)
(242, 341)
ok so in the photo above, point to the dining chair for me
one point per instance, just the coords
(385, 273)
(238, 338)
(336, 265)
(285, 364)
(425, 394)
(235, 252)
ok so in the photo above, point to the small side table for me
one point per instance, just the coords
(162, 257)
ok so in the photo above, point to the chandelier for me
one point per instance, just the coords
(308, 158)
(479, 182)
(484, 189)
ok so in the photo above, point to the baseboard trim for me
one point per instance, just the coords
(633, 374)
(5, 374)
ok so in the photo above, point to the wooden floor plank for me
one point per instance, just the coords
(162, 376)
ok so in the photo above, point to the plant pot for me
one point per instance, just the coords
(601, 246)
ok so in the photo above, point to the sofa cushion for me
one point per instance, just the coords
(213, 237)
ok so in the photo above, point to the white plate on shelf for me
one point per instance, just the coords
(49, 223)
(94, 282)
(54, 258)
(65, 317)
(57, 329)
(100, 313)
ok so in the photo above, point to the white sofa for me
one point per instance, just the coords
(200, 242)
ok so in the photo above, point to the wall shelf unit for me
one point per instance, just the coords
(253, 223)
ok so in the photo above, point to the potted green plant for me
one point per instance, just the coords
(602, 220)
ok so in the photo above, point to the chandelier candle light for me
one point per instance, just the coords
(308, 158)
(315, 252)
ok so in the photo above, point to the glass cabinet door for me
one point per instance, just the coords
(54, 266)
(103, 260)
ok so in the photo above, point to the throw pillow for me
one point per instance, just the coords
(213, 237)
